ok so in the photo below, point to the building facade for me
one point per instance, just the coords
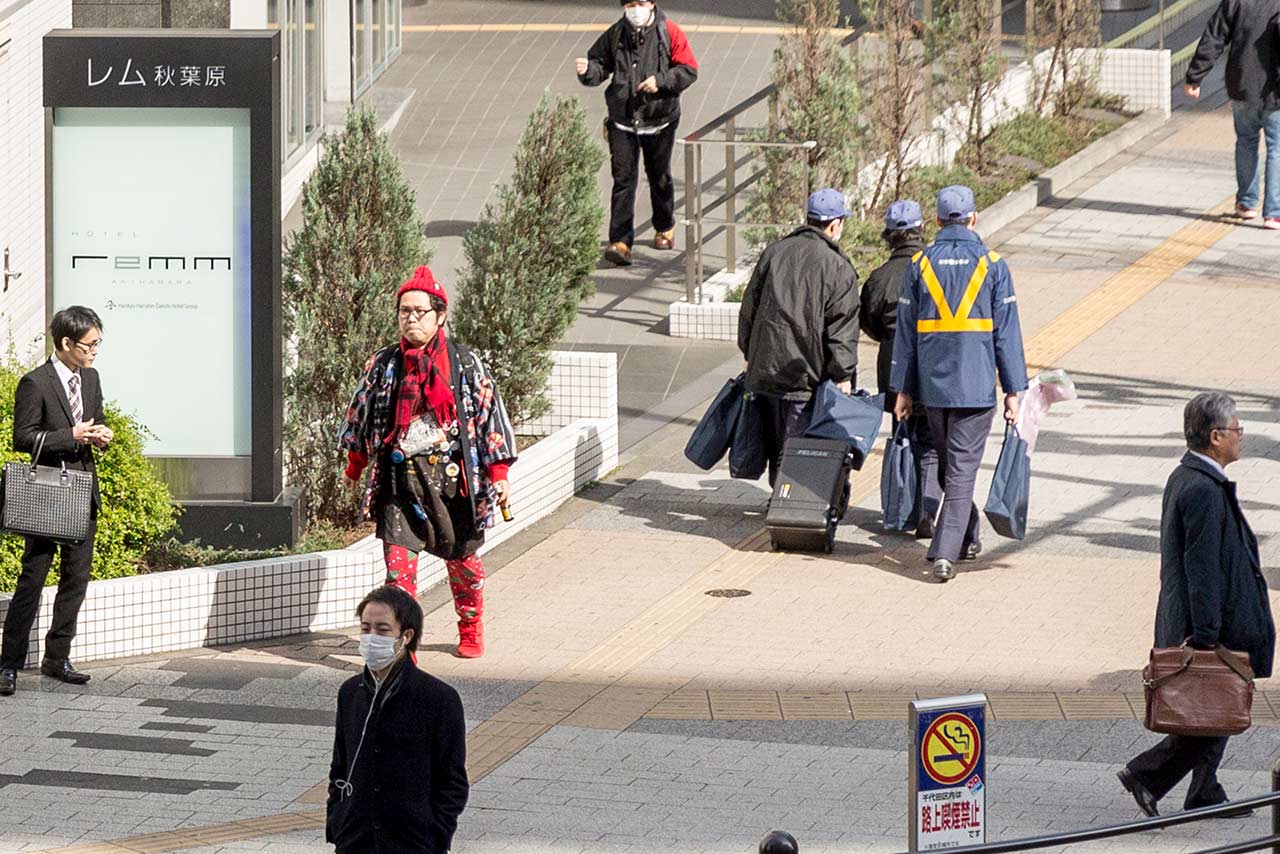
(23, 24)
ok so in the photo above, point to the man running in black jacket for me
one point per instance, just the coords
(648, 62)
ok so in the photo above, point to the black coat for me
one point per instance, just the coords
(626, 57)
(1247, 29)
(1211, 585)
(40, 404)
(879, 316)
(798, 324)
(409, 782)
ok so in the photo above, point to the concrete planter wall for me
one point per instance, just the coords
(238, 602)
(1141, 77)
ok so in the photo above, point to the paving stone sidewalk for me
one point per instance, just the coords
(597, 617)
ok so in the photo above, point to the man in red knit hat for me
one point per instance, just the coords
(430, 429)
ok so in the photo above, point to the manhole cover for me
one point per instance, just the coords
(728, 593)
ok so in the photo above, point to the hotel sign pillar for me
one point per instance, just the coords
(163, 177)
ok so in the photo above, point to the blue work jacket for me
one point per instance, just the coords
(957, 326)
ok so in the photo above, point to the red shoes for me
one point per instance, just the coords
(470, 638)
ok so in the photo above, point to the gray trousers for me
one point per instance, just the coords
(960, 436)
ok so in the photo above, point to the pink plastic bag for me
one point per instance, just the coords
(1048, 388)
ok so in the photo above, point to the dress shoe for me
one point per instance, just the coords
(63, 672)
(619, 254)
(944, 570)
(665, 239)
(1145, 800)
(1243, 812)
(924, 528)
(970, 552)
(8, 682)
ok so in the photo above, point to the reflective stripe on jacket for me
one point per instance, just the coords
(957, 325)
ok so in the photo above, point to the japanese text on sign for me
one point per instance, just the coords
(161, 75)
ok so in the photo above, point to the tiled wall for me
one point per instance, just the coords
(22, 167)
(263, 599)
(1141, 76)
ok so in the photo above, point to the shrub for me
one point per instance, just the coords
(529, 260)
(1066, 29)
(137, 509)
(965, 40)
(361, 237)
(818, 98)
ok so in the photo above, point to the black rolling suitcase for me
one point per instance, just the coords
(810, 495)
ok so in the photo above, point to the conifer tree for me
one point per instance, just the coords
(530, 258)
(361, 237)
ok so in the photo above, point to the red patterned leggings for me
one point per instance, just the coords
(466, 579)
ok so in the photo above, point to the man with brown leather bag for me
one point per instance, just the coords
(1212, 594)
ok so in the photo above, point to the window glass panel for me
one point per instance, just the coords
(293, 66)
(360, 41)
(379, 34)
(397, 21)
(314, 57)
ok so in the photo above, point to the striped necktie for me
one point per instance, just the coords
(77, 409)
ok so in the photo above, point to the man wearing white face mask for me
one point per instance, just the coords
(647, 60)
(398, 780)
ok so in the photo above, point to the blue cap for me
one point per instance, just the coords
(903, 213)
(955, 203)
(827, 204)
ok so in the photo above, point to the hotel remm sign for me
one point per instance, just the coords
(164, 216)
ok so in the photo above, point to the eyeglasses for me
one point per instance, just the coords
(1239, 431)
(414, 313)
(90, 348)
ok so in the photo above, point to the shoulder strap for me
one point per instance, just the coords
(464, 441)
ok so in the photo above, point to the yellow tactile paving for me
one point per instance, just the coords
(745, 706)
(1092, 707)
(1103, 305)
(1024, 707)
(683, 706)
(879, 707)
(815, 706)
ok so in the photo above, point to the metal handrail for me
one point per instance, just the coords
(1271, 841)
(695, 211)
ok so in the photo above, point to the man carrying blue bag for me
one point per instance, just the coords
(957, 329)
(798, 326)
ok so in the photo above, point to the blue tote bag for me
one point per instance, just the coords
(748, 458)
(1010, 488)
(714, 434)
(853, 418)
(899, 481)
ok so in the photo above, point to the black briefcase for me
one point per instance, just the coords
(47, 502)
(810, 495)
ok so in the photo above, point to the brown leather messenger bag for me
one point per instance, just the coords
(1198, 692)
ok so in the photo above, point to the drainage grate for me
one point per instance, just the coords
(728, 593)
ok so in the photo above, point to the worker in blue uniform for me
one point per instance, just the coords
(957, 329)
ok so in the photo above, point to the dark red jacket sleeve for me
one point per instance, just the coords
(684, 65)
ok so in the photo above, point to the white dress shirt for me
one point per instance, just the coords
(1211, 461)
(65, 374)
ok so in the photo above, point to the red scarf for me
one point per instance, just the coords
(426, 378)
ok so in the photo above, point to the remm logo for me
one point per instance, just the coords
(153, 262)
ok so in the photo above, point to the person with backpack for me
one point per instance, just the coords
(429, 427)
(647, 60)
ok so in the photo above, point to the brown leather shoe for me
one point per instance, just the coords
(618, 253)
(664, 239)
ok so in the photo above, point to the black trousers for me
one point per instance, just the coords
(960, 436)
(624, 151)
(73, 582)
(1163, 766)
(782, 419)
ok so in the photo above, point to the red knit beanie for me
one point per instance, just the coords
(422, 280)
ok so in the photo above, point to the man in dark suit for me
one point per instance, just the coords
(1211, 592)
(62, 399)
